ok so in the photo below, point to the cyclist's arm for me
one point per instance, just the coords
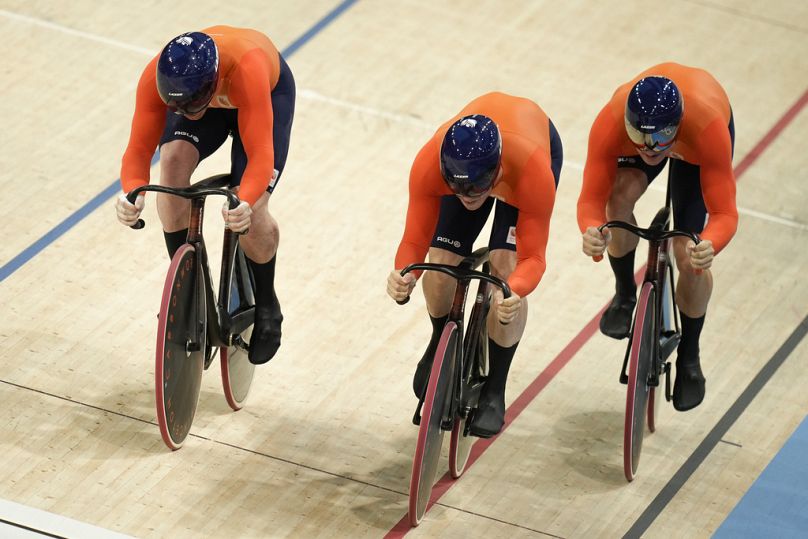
(600, 171)
(250, 92)
(718, 185)
(536, 199)
(147, 126)
(425, 189)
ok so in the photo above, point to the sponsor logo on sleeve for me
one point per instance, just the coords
(512, 235)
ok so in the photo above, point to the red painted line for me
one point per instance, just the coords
(773, 133)
(531, 391)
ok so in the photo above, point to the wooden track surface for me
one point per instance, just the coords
(324, 444)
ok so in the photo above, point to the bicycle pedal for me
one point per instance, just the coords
(240, 343)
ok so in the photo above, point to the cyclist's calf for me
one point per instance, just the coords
(261, 243)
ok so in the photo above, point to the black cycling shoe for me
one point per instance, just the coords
(489, 417)
(266, 335)
(689, 386)
(616, 320)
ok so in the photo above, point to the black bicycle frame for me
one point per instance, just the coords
(223, 329)
(461, 398)
(658, 267)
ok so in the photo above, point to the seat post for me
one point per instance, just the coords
(195, 225)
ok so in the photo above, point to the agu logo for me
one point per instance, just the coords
(454, 243)
(187, 135)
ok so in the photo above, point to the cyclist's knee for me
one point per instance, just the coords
(178, 159)
(443, 256)
(503, 262)
(438, 287)
(629, 186)
(682, 258)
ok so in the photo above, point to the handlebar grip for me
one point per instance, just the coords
(403, 301)
(137, 226)
(597, 258)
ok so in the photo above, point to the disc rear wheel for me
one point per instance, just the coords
(237, 371)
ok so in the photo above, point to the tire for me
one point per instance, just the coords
(640, 363)
(430, 433)
(237, 371)
(178, 370)
(460, 443)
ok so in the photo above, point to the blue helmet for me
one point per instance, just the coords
(653, 112)
(470, 155)
(187, 72)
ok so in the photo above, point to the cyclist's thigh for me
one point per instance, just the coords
(503, 230)
(633, 178)
(689, 211)
(205, 134)
(283, 112)
(457, 226)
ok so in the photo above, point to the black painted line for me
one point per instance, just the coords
(34, 530)
(730, 443)
(714, 436)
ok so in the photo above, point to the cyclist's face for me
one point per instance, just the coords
(653, 158)
(196, 115)
(474, 203)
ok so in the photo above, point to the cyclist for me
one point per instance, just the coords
(501, 151)
(674, 113)
(201, 88)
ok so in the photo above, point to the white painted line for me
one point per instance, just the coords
(370, 111)
(17, 520)
(78, 33)
(751, 213)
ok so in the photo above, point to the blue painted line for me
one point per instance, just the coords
(775, 504)
(114, 188)
(59, 230)
(317, 28)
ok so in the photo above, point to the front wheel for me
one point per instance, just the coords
(641, 359)
(430, 434)
(179, 360)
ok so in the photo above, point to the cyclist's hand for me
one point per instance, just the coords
(595, 242)
(399, 288)
(701, 255)
(128, 213)
(507, 308)
(237, 219)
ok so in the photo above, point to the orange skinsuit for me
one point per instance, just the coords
(249, 68)
(526, 183)
(703, 139)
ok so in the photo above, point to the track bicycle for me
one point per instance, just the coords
(192, 327)
(456, 379)
(655, 334)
